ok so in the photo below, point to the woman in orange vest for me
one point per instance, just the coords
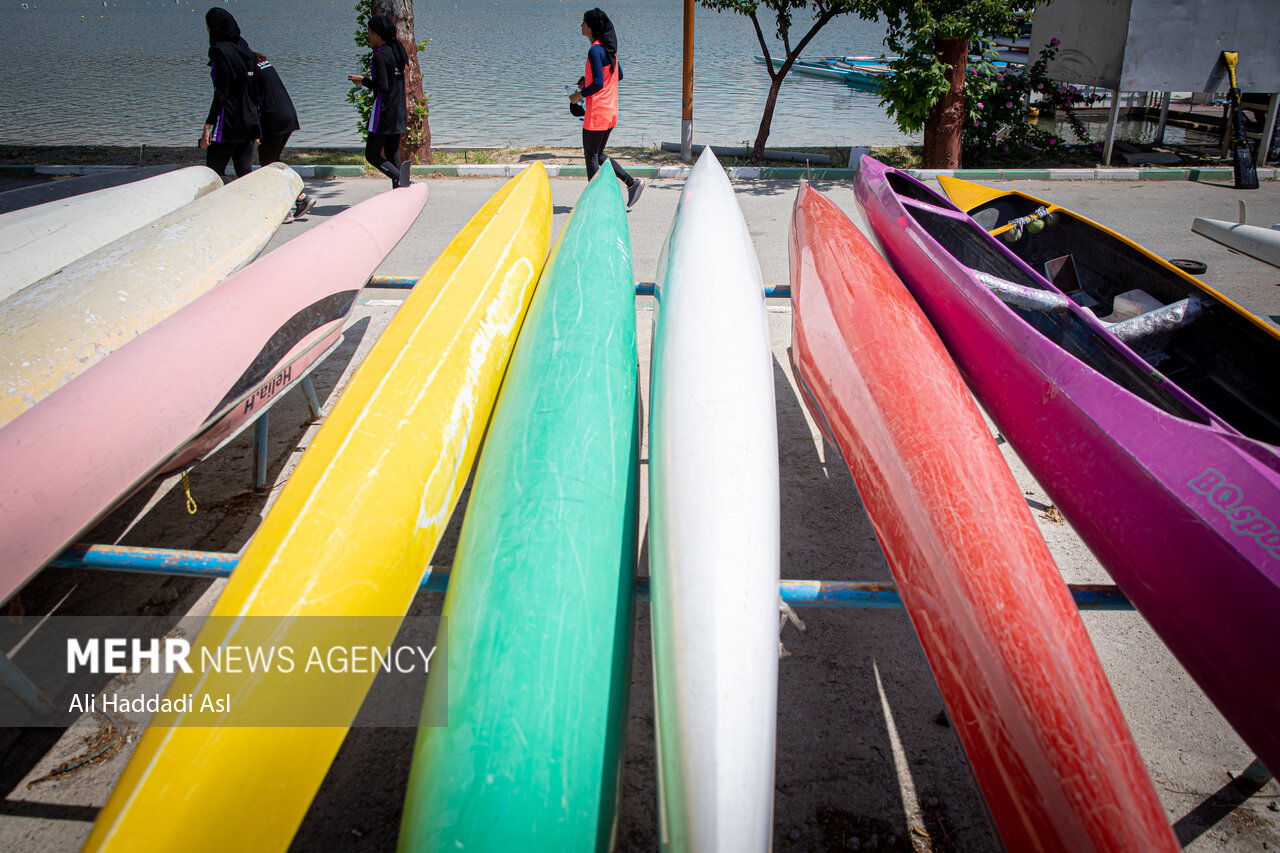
(601, 94)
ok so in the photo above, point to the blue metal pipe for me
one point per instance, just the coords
(313, 401)
(797, 593)
(644, 288)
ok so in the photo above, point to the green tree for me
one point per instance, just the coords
(780, 12)
(931, 39)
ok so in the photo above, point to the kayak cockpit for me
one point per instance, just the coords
(1159, 333)
(1209, 348)
(1051, 313)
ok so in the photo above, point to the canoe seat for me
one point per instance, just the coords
(1132, 303)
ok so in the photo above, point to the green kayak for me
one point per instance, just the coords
(540, 601)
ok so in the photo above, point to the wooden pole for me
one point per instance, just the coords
(686, 115)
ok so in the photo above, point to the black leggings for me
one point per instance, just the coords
(383, 152)
(240, 153)
(270, 148)
(593, 142)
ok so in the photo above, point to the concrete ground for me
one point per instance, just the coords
(864, 759)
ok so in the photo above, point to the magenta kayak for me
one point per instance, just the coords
(1177, 504)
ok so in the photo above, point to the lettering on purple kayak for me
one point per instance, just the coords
(1228, 499)
(268, 389)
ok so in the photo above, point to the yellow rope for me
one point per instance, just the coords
(191, 501)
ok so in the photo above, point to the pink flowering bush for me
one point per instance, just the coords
(998, 100)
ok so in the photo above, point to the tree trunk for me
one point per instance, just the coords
(419, 128)
(757, 151)
(946, 119)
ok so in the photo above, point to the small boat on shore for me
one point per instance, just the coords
(1261, 244)
(1032, 707)
(1142, 400)
(861, 73)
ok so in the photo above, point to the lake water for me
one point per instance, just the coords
(134, 71)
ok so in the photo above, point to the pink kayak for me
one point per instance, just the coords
(177, 391)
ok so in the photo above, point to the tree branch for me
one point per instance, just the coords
(764, 46)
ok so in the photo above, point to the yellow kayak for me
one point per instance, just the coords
(339, 557)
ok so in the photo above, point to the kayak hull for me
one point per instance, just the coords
(201, 375)
(344, 546)
(38, 241)
(53, 330)
(713, 528)
(1262, 244)
(1177, 506)
(1023, 685)
(541, 597)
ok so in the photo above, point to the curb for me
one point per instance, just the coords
(509, 170)
(793, 172)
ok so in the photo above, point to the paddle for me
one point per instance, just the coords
(1242, 158)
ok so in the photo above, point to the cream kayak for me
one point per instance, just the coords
(55, 329)
(38, 241)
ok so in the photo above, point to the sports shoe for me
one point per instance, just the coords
(633, 192)
(303, 205)
(404, 175)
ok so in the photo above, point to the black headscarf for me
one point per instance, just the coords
(602, 31)
(223, 28)
(385, 28)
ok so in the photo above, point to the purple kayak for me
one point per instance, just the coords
(1151, 421)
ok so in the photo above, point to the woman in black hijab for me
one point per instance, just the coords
(232, 125)
(603, 74)
(389, 117)
(278, 120)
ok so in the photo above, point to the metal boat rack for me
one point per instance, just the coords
(212, 565)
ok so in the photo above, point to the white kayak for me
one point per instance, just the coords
(714, 529)
(1261, 244)
(38, 241)
(55, 329)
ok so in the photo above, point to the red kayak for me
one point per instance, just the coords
(1023, 685)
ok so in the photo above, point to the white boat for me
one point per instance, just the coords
(38, 241)
(58, 327)
(713, 529)
(1262, 244)
(33, 194)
